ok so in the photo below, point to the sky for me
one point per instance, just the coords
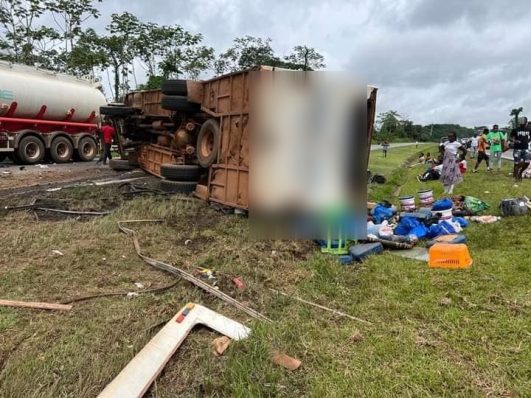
(433, 61)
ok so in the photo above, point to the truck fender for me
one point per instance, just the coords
(23, 133)
(77, 137)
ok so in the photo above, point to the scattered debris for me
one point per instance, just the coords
(128, 294)
(74, 212)
(417, 253)
(485, 219)
(37, 305)
(129, 189)
(238, 282)
(322, 307)
(139, 285)
(445, 301)
(356, 337)
(187, 242)
(54, 189)
(285, 361)
(36, 206)
(58, 252)
(220, 344)
(111, 182)
(185, 275)
(135, 379)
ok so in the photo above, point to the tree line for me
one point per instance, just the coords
(54, 34)
(391, 126)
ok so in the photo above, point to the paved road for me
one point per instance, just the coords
(375, 147)
(15, 176)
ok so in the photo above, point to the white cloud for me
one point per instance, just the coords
(435, 61)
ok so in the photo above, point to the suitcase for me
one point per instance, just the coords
(362, 250)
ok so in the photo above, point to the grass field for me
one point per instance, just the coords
(433, 332)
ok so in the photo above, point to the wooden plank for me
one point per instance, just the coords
(37, 305)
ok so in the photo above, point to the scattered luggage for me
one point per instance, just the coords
(362, 250)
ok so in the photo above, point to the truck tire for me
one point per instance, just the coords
(120, 165)
(87, 149)
(178, 103)
(208, 143)
(119, 111)
(177, 186)
(61, 150)
(180, 172)
(174, 87)
(30, 150)
(132, 158)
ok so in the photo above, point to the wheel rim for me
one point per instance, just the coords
(87, 149)
(62, 150)
(32, 151)
(207, 144)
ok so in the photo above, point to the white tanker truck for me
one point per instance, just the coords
(46, 113)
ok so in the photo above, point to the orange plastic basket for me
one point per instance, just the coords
(448, 255)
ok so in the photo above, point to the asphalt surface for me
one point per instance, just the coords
(375, 147)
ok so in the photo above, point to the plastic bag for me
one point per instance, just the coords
(411, 226)
(475, 205)
(442, 204)
(381, 212)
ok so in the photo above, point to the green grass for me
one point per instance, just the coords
(433, 332)
(396, 157)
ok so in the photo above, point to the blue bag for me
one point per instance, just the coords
(381, 212)
(442, 204)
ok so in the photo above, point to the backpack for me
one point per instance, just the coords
(514, 207)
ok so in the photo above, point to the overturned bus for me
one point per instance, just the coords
(196, 135)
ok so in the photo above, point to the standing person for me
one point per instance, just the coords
(473, 146)
(451, 174)
(385, 147)
(107, 132)
(482, 150)
(496, 139)
(416, 144)
(521, 137)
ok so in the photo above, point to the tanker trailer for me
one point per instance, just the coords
(44, 112)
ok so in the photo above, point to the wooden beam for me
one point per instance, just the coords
(37, 305)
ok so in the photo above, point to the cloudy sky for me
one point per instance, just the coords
(434, 61)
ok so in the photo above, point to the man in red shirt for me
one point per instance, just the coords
(107, 132)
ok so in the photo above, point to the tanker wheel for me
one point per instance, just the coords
(61, 150)
(208, 143)
(87, 149)
(30, 150)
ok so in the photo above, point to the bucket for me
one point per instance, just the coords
(407, 203)
(445, 214)
(426, 197)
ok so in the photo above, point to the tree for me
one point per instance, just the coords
(305, 58)
(88, 55)
(69, 16)
(22, 39)
(389, 125)
(515, 112)
(246, 52)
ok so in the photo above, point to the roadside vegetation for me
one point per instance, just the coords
(433, 332)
